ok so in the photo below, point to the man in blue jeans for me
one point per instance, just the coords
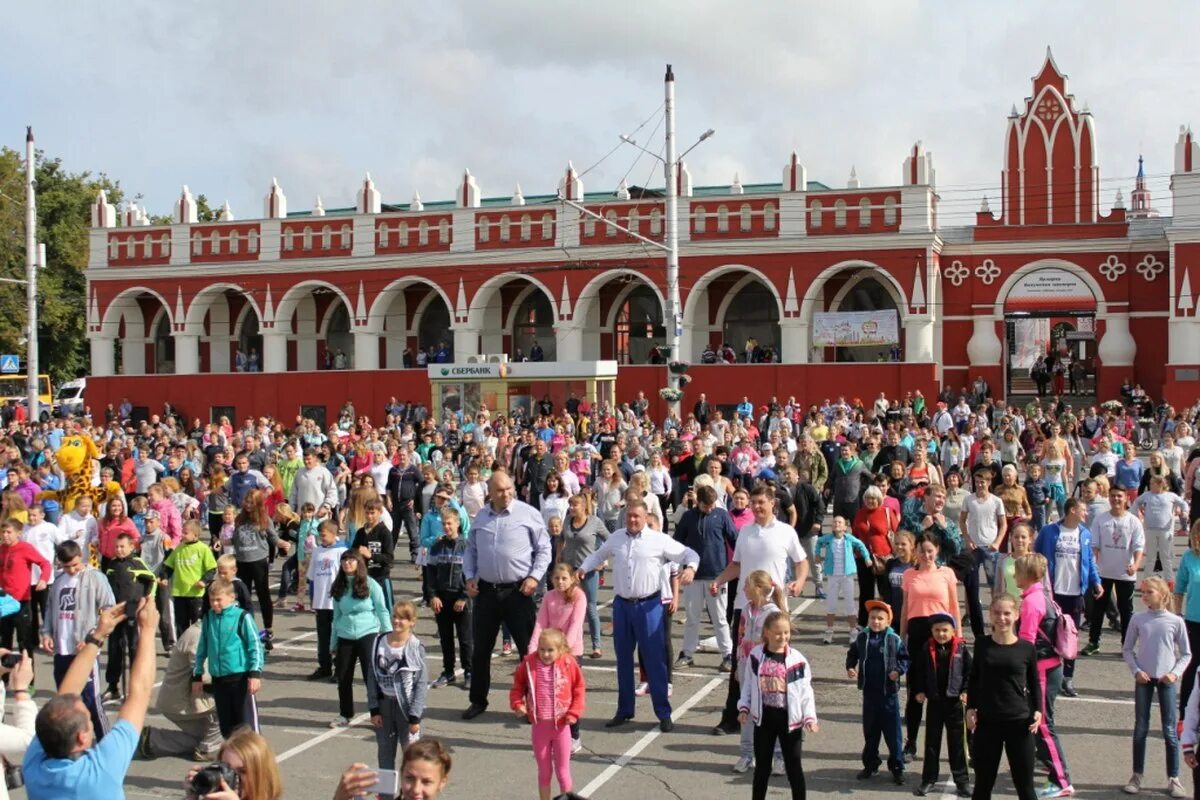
(983, 520)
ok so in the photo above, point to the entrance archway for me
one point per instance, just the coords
(853, 285)
(733, 304)
(133, 321)
(622, 315)
(305, 315)
(217, 315)
(494, 314)
(533, 325)
(864, 292)
(410, 313)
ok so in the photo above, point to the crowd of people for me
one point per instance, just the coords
(886, 509)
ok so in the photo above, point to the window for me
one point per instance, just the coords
(815, 213)
(769, 217)
(609, 230)
(235, 242)
(635, 221)
(547, 227)
(197, 244)
(589, 227)
(839, 214)
(655, 222)
(423, 234)
(889, 211)
(747, 218)
(526, 227)
(444, 232)
(701, 219)
(308, 238)
(384, 235)
(722, 219)
(114, 249)
(215, 244)
(403, 231)
(864, 213)
(326, 237)
(346, 238)
(252, 242)
(484, 228)
(289, 239)
(504, 231)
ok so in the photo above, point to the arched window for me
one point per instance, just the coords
(214, 244)
(164, 245)
(384, 235)
(701, 219)
(864, 213)
(308, 238)
(722, 219)
(504, 231)
(235, 242)
(326, 237)
(839, 214)
(635, 221)
(814, 212)
(609, 230)
(769, 217)
(526, 227)
(197, 244)
(423, 233)
(114, 249)
(289, 239)
(547, 227)
(655, 222)
(589, 227)
(747, 218)
(403, 234)
(484, 229)
(252, 242)
(889, 211)
(344, 244)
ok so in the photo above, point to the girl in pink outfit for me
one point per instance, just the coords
(548, 690)
(168, 512)
(1037, 624)
(564, 610)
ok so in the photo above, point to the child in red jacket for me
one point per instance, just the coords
(548, 690)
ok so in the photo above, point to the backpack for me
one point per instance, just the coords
(1063, 633)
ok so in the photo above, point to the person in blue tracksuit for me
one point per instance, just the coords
(229, 643)
(877, 658)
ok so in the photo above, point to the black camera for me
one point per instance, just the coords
(208, 780)
(10, 660)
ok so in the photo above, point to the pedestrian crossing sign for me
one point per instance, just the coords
(10, 364)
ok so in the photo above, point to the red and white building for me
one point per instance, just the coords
(169, 306)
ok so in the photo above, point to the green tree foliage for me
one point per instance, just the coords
(64, 202)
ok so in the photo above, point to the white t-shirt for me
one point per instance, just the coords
(768, 548)
(43, 536)
(83, 530)
(982, 523)
(380, 473)
(1117, 539)
(1068, 562)
(64, 619)
(322, 569)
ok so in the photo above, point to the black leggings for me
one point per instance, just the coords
(1013, 739)
(918, 636)
(254, 575)
(870, 586)
(772, 728)
(1189, 673)
(349, 651)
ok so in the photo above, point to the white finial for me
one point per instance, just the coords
(318, 208)
(983, 207)
(736, 187)
(369, 201)
(226, 214)
(623, 190)
(1119, 202)
(185, 208)
(275, 203)
(518, 199)
(853, 182)
(416, 204)
(1014, 113)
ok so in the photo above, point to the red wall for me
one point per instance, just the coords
(282, 395)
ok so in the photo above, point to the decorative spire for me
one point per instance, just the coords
(1185, 303)
(185, 208)
(736, 187)
(369, 200)
(468, 192)
(318, 208)
(795, 177)
(1119, 201)
(269, 310)
(853, 182)
(460, 303)
(791, 304)
(571, 187)
(179, 319)
(918, 291)
(360, 308)
(226, 214)
(104, 213)
(416, 204)
(93, 313)
(623, 190)
(518, 198)
(984, 208)
(564, 308)
(275, 203)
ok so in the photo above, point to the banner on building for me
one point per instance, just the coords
(856, 328)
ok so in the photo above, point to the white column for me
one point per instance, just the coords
(1117, 347)
(366, 349)
(102, 355)
(218, 353)
(274, 351)
(793, 341)
(133, 355)
(984, 348)
(187, 353)
(918, 338)
(466, 342)
(569, 342)
(306, 352)
(1183, 341)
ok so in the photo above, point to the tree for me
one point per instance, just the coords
(64, 201)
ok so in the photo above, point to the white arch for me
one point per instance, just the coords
(700, 289)
(1047, 263)
(330, 310)
(378, 314)
(587, 306)
(296, 293)
(817, 287)
(730, 296)
(125, 306)
(204, 302)
(860, 276)
(485, 303)
(239, 324)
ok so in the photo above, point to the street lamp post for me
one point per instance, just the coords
(31, 265)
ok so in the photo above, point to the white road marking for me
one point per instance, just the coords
(324, 737)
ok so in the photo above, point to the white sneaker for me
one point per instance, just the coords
(340, 722)
(642, 689)
(1175, 787)
(743, 765)
(670, 689)
(777, 767)
(1135, 784)
(576, 746)
(828, 637)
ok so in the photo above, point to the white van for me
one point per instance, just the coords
(69, 398)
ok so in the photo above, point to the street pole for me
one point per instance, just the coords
(674, 319)
(31, 264)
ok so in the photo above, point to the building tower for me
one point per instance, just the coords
(1140, 197)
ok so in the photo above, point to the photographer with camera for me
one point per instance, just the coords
(16, 736)
(65, 760)
(245, 769)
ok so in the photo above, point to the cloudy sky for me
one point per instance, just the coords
(227, 95)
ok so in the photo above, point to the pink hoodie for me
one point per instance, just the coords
(563, 615)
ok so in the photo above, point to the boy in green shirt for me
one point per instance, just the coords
(189, 564)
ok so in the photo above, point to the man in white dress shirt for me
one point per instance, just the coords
(638, 555)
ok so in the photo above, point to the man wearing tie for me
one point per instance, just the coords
(504, 563)
(638, 556)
